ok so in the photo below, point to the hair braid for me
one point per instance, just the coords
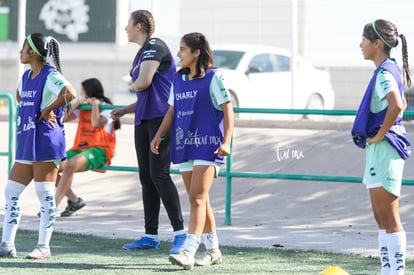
(54, 50)
(387, 32)
(146, 19)
(406, 67)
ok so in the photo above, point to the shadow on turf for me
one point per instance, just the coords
(66, 266)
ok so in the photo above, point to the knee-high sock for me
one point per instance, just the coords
(397, 243)
(383, 251)
(210, 240)
(46, 194)
(191, 243)
(12, 214)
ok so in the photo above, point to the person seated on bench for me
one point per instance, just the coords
(94, 144)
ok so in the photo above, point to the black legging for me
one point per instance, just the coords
(154, 174)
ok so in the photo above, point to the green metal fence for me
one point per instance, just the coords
(12, 141)
(229, 174)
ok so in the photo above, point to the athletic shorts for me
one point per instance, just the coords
(29, 162)
(95, 157)
(188, 166)
(383, 167)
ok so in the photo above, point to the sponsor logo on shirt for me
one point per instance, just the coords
(186, 95)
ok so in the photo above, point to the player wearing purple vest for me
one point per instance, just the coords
(379, 130)
(151, 73)
(201, 118)
(41, 95)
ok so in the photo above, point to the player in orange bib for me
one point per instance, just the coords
(94, 143)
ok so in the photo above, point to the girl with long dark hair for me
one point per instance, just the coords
(94, 144)
(41, 94)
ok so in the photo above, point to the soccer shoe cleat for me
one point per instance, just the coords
(211, 257)
(7, 251)
(143, 243)
(183, 258)
(178, 243)
(39, 252)
(73, 207)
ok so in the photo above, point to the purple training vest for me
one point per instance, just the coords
(38, 141)
(197, 123)
(367, 124)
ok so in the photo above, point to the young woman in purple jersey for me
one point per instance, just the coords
(41, 95)
(201, 118)
(151, 73)
(378, 128)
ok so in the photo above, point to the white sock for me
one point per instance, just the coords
(12, 215)
(383, 251)
(191, 243)
(397, 243)
(45, 192)
(210, 240)
(179, 232)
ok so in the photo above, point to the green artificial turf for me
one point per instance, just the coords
(84, 254)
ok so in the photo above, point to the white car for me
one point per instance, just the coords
(260, 77)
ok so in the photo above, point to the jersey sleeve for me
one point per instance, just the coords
(384, 84)
(19, 87)
(154, 50)
(106, 114)
(55, 82)
(218, 90)
(171, 96)
(109, 122)
(387, 83)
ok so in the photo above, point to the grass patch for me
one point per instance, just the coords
(85, 254)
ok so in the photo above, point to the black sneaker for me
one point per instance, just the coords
(73, 207)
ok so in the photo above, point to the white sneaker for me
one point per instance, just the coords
(7, 250)
(183, 258)
(39, 252)
(211, 257)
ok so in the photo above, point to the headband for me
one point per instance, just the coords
(46, 46)
(32, 45)
(380, 37)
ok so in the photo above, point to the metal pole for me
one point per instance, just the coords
(21, 33)
(229, 164)
(12, 131)
(294, 50)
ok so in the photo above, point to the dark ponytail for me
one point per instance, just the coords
(387, 32)
(406, 67)
(54, 52)
(93, 88)
(45, 47)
